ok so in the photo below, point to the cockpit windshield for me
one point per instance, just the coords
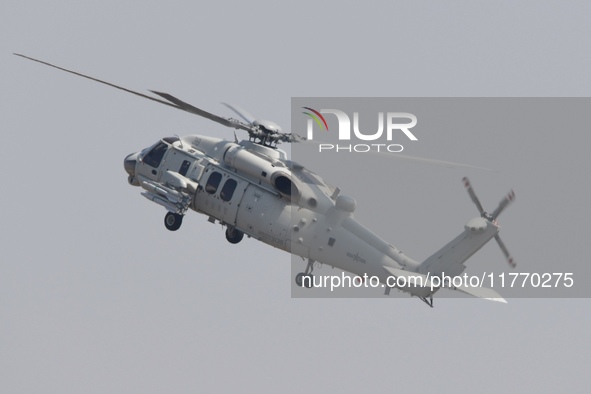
(155, 155)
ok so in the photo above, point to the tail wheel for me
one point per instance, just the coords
(299, 279)
(304, 280)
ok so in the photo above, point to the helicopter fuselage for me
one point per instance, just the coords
(255, 190)
(252, 188)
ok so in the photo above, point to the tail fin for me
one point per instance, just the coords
(450, 258)
(477, 232)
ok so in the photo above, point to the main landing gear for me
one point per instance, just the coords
(233, 235)
(307, 274)
(173, 221)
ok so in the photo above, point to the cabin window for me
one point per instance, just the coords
(228, 190)
(213, 182)
(155, 156)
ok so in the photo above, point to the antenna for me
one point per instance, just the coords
(181, 141)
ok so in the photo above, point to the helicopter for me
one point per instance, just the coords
(252, 188)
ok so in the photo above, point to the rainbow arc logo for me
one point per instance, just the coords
(317, 117)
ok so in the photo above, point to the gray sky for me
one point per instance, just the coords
(96, 296)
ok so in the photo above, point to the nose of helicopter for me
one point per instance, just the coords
(129, 163)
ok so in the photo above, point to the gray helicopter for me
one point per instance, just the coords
(253, 189)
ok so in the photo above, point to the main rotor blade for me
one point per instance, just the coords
(248, 118)
(505, 251)
(503, 204)
(440, 163)
(172, 101)
(292, 137)
(297, 138)
(100, 81)
(198, 111)
(475, 199)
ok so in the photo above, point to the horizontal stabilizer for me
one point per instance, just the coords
(481, 292)
(413, 282)
(421, 285)
(412, 278)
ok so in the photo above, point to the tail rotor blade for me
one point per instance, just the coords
(475, 199)
(505, 252)
(503, 204)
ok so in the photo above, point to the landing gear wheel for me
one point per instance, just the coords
(299, 279)
(233, 235)
(173, 221)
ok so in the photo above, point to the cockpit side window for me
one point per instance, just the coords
(184, 167)
(154, 157)
(213, 182)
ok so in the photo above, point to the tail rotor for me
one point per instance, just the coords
(508, 199)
